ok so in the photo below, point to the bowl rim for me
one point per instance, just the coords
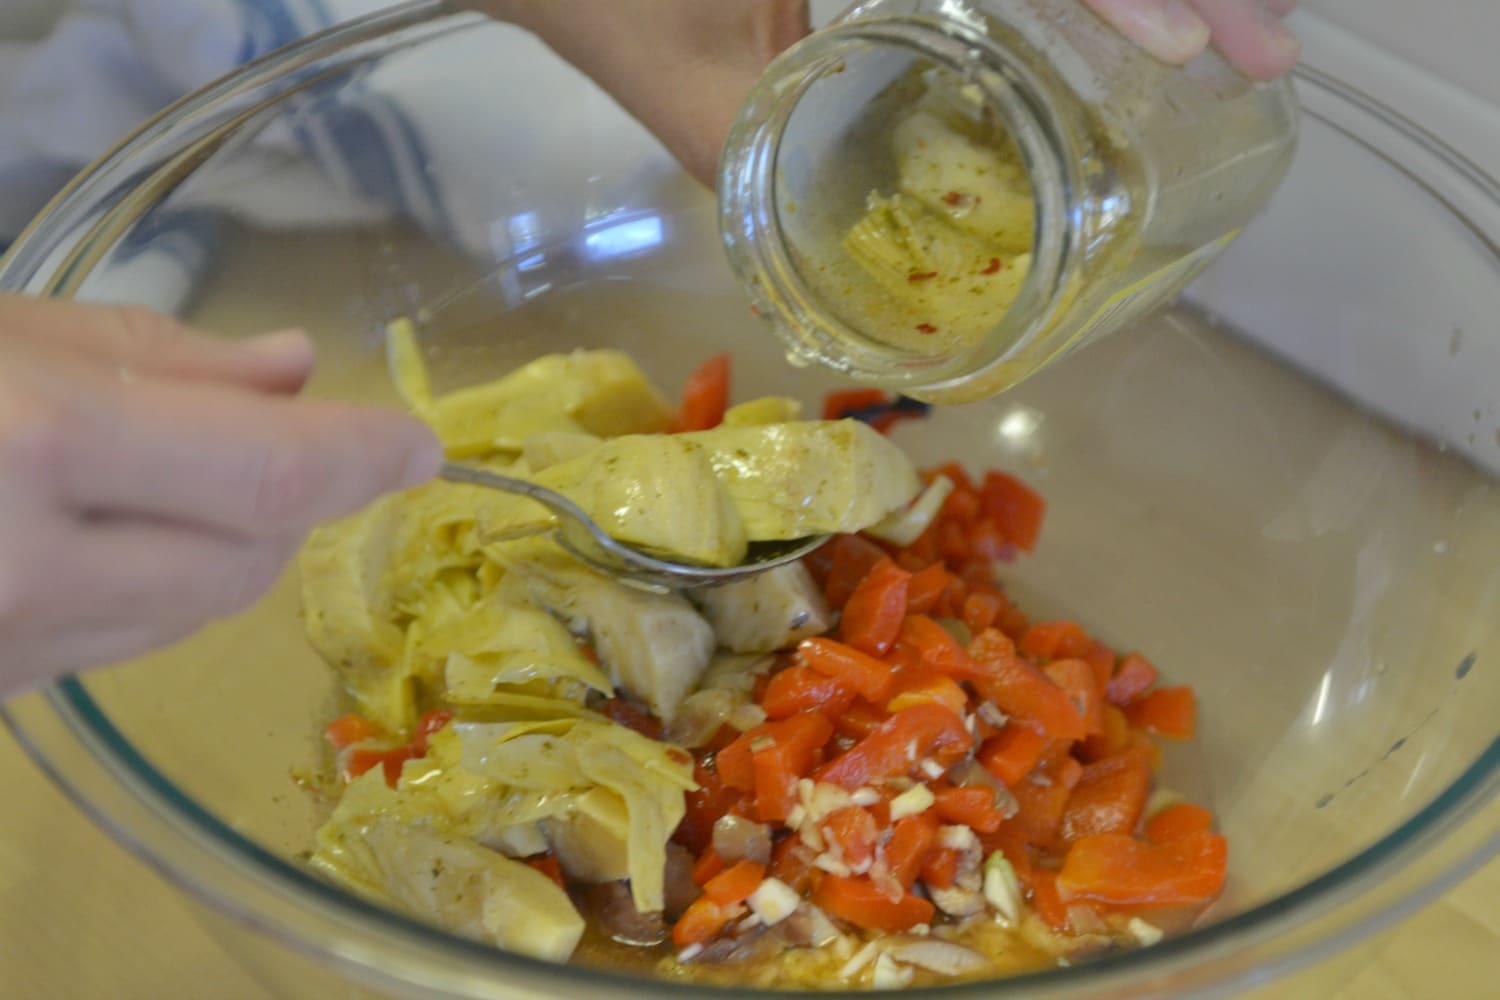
(87, 723)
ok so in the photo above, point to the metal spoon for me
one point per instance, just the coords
(582, 536)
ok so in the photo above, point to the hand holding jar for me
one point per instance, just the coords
(684, 67)
(1248, 33)
(942, 198)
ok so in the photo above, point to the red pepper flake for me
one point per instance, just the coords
(994, 267)
(755, 311)
(917, 276)
(926, 328)
(953, 198)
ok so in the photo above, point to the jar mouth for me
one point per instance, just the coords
(752, 201)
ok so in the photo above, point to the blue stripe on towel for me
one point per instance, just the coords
(270, 24)
(364, 151)
(435, 211)
(367, 135)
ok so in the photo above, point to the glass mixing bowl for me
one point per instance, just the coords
(1301, 520)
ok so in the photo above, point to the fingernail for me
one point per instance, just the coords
(280, 345)
(1184, 25)
(424, 458)
(1171, 30)
(1276, 31)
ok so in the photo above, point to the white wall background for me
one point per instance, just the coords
(1455, 39)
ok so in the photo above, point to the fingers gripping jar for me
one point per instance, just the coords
(941, 196)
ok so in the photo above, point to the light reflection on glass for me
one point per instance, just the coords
(1325, 692)
(1413, 780)
(524, 230)
(623, 237)
(963, 12)
(1019, 424)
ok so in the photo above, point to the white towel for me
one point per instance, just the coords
(402, 139)
(111, 64)
(107, 67)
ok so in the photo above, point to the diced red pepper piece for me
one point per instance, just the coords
(859, 720)
(923, 552)
(911, 841)
(1109, 797)
(1054, 641)
(1114, 735)
(1015, 507)
(1013, 622)
(870, 677)
(925, 587)
(1102, 659)
(872, 615)
(937, 647)
(860, 902)
(548, 865)
(792, 863)
(1171, 712)
(799, 689)
(973, 807)
(1132, 678)
(955, 473)
(987, 544)
(704, 920)
(1178, 822)
(429, 724)
(851, 557)
(357, 760)
(705, 396)
(839, 403)
(707, 866)
(961, 506)
(981, 608)
(915, 686)
(347, 730)
(735, 883)
(780, 755)
(927, 730)
(953, 543)
(1013, 752)
(1120, 870)
(633, 717)
(705, 805)
(1047, 901)
(1077, 678)
(941, 869)
(1042, 798)
(1020, 690)
(853, 829)
(734, 763)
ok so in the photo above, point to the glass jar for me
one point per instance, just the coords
(941, 196)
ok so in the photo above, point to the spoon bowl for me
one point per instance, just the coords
(582, 536)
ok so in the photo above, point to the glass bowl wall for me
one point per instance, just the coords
(1297, 515)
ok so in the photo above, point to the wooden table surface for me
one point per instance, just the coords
(80, 918)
